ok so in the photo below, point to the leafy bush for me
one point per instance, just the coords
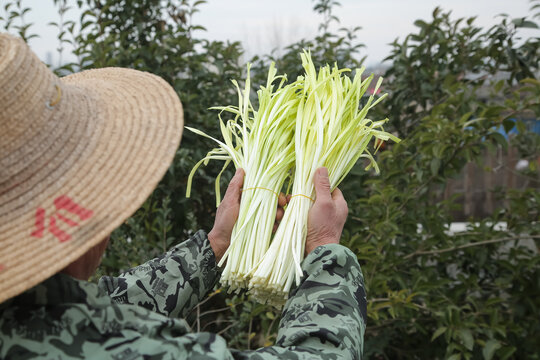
(432, 294)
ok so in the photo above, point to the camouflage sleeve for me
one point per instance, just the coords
(325, 315)
(172, 284)
(64, 318)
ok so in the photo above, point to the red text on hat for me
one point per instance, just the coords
(63, 202)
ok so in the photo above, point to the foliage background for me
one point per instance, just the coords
(432, 294)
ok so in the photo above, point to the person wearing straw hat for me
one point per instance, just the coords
(80, 154)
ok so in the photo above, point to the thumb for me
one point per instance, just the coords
(322, 183)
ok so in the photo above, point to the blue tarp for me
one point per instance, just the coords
(530, 124)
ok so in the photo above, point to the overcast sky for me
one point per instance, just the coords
(261, 25)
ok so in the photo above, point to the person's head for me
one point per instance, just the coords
(78, 155)
(86, 265)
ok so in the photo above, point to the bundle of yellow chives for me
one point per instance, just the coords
(321, 118)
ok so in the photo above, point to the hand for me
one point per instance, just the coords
(282, 201)
(327, 215)
(226, 216)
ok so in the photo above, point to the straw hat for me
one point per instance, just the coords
(78, 155)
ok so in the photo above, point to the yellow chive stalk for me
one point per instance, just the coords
(261, 141)
(331, 130)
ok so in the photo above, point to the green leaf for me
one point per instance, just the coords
(508, 125)
(438, 332)
(499, 139)
(489, 350)
(530, 81)
(270, 315)
(506, 352)
(498, 86)
(465, 117)
(521, 128)
(435, 165)
(420, 23)
(522, 23)
(467, 338)
(455, 357)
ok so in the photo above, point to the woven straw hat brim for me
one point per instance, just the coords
(91, 164)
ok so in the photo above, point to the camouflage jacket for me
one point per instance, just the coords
(138, 315)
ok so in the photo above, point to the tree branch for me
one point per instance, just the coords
(492, 241)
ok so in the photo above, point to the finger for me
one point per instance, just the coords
(322, 184)
(234, 189)
(274, 229)
(282, 200)
(340, 202)
(289, 198)
(279, 214)
(337, 194)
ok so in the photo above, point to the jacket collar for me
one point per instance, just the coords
(60, 289)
